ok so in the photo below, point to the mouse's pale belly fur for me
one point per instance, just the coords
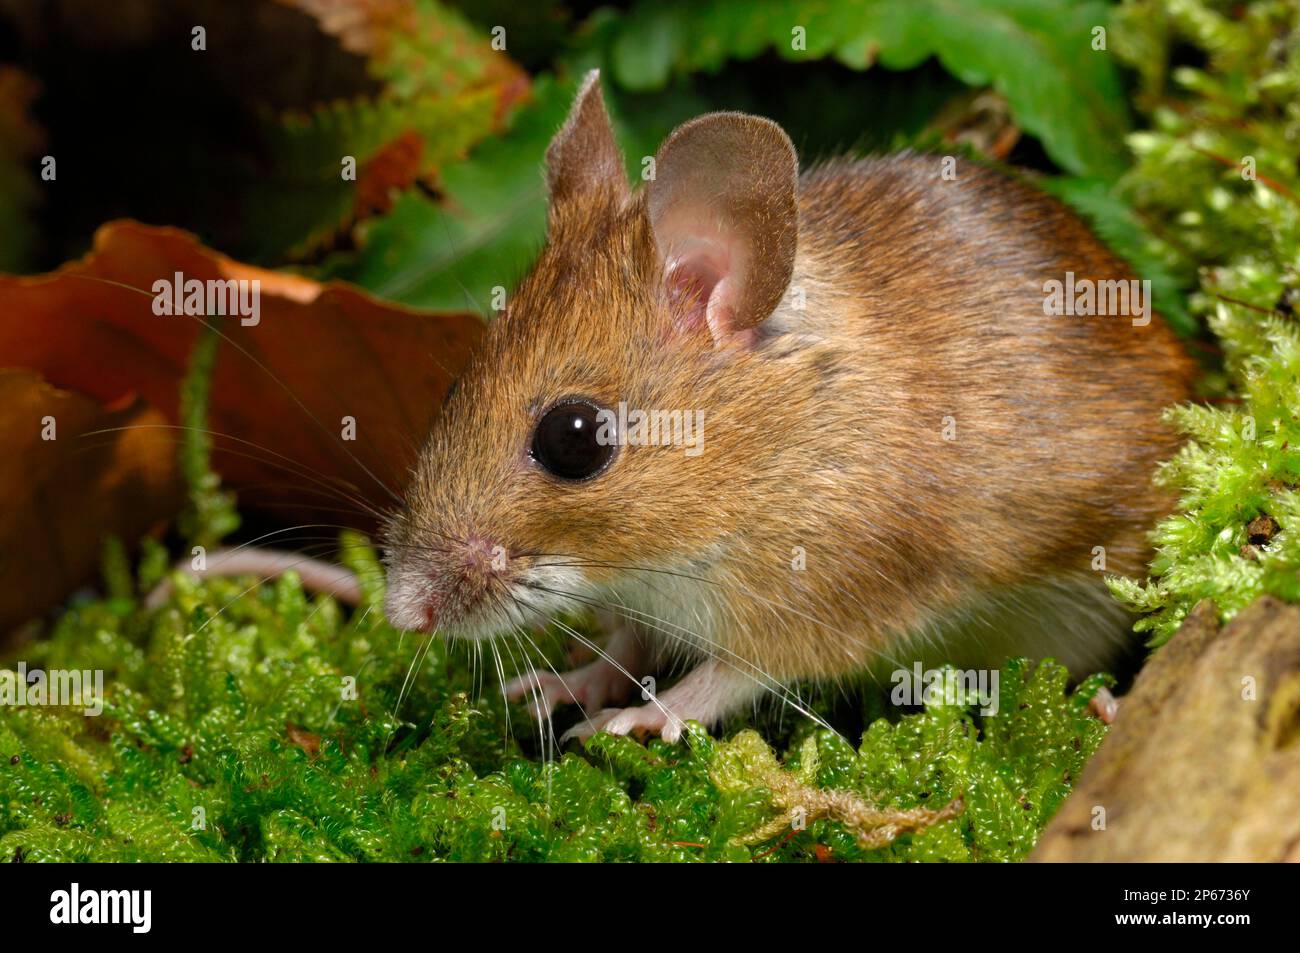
(946, 456)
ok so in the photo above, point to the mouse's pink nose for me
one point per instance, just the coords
(412, 608)
(430, 589)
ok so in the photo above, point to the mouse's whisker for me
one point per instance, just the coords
(778, 604)
(335, 487)
(249, 491)
(690, 639)
(205, 321)
(736, 588)
(265, 565)
(523, 633)
(545, 721)
(630, 614)
(501, 680)
(421, 651)
(733, 587)
(479, 667)
(577, 562)
(281, 567)
(600, 651)
(741, 590)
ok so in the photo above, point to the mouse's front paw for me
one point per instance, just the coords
(706, 694)
(652, 718)
(588, 687)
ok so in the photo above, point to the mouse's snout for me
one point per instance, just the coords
(448, 584)
(410, 610)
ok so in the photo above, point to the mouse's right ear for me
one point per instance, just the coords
(583, 156)
(724, 211)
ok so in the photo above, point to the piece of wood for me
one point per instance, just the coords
(1203, 763)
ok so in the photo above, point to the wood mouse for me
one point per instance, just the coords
(901, 452)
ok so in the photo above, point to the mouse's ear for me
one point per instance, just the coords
(723, 207)
(583, 155)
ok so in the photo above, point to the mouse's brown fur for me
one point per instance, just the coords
(908, 419)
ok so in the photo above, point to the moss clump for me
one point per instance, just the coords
(1218, 176)
(264, 724)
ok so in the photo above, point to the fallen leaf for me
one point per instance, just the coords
(73, 472)
(324, 363)
(316, 412)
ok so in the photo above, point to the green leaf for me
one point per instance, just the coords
(1037, 53)
(302, 200)
(441, 88)
(481, 232)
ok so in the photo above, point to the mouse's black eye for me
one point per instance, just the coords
(574, 440)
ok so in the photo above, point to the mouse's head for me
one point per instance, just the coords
(610, 412)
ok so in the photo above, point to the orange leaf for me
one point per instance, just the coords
(72, 473)
(284, 388)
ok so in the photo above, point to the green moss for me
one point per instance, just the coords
(1218, 176)
(231, 731)
(210, 514)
